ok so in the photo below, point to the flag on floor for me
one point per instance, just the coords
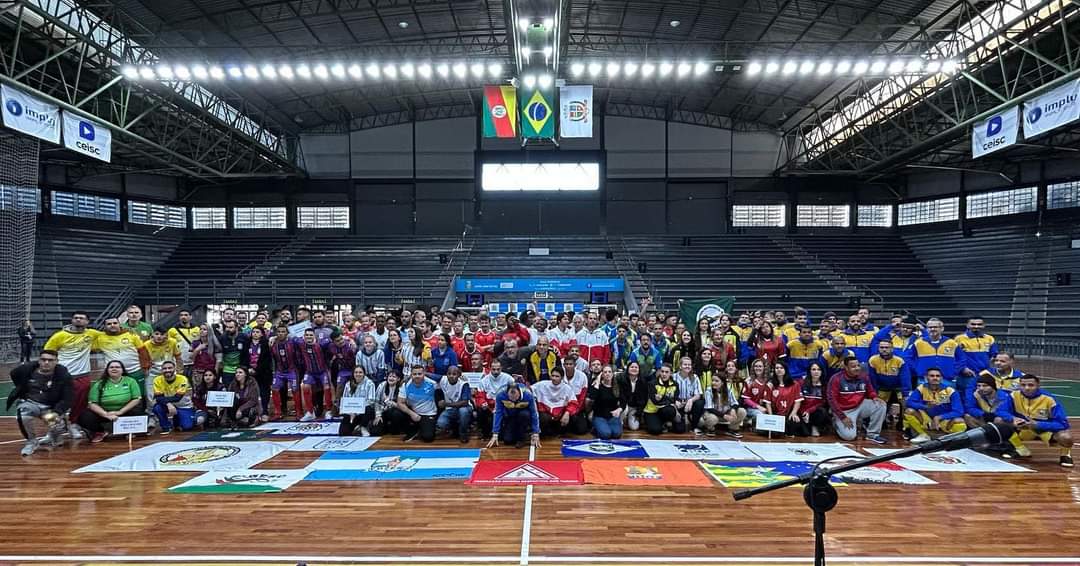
(537, 117)
(696, 450)
(189, 457)
(884, 472)
(603, 449)
(517, 472)
(310, 428)
(333, 444)
(241, 481)
(394, 465)
(644, 473)
(965, 460)
(575, 111)
(247, 434)
(755, 474)
(692, 311)
(800, 451)
(500, 112)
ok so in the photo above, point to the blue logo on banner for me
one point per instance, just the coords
(86, 130)
(994, 126)
(1034, 114)
(14, 107)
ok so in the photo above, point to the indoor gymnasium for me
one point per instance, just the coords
(511, 282)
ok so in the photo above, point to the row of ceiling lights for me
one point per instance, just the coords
(319, 71)
(877, 66)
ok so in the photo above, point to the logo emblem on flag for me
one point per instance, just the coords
(1034, 114)
(499, 111)
(538, 112)
(14, 108)
(198, 455)
(578, 111)
(643, 473)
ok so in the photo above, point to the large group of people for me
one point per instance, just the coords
(515, 378)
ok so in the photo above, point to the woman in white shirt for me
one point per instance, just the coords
(361, 391)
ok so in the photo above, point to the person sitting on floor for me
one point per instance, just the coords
(634, 391)
(172, 399)
(933, 406)
(515, 417)
(660, 411)
(756, 396)
(813, 413)
(388, 418)
(785, 397)
(560, 412)
(417, 401)
(247, 406)
(43, 391)
(1037, 414)
(853, 399)
(454, 402)
(607, 405)
(722, 405)
(116, 394)
(363, 389)
(206, 417)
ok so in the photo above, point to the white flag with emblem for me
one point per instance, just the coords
(575, 111)
(996, 132)
(1052, 109)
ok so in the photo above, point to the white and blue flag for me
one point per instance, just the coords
(394, 465)
(27, 114)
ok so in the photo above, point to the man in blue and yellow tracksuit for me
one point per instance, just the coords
(902, 335)
(891, 376)
(976, 352)
(857, 339)
(985, 402)
(804, 351)
(834, 355)
(933, 406)
(1003, 373)
(516, 417)
(935, 350)
(1037, 414)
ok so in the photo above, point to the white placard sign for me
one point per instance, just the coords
(130, 425)
(220, 398)
(771, 423)
(353, 405)
(473, 379)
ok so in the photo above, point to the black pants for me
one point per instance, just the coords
(654, 422)
(25, 351)
(550, 426)
(818, 418)
(349, 423)
(484, 418)
(92, 422)
(393, 422)
(247, 417)
(696, 410)
(516, 428)
(424, 428)
(265, 382)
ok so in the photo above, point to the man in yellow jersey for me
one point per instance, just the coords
(161, 349)
(73, 345)
(184, 334)
(123, 346)
(891, 376)
(834, 355)
(1037, 414)
(933, 407)
(135, 324)
(172, 400)
(1003, 373)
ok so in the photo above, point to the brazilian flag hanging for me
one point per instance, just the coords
(537, 114)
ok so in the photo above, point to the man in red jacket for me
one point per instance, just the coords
(853, 399)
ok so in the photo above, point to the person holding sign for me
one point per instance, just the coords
(172, 399)
(207, 416)
(115, 395)
(247, 408)
(357, 403)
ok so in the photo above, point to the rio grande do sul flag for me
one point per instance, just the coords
(500, 112)
(575, 111)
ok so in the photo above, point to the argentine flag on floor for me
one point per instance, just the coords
(394, 465)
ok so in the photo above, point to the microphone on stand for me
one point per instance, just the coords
(986, 435)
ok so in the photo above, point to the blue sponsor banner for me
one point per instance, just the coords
(603, 449)
(471, 285)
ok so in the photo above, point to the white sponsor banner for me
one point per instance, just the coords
(87, 137)
(799, 451)
(130, 425)
(189, 457)
(965, 460)
(220, 398)
(333, 444)
(242, 481)
(575, 111)
(1052, 109)
(996, 132)
(696, 450)
(25, 113)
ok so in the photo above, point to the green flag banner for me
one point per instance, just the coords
(537, 116)
(692, 311)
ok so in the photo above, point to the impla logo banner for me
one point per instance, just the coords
(1052, 109)
(87, 137)
(27, 114)
(995, 133)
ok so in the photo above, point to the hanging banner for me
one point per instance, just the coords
(575, 111)
(1052, 109)
(996, 132)
(537, 118)
(26, 114)
(87, 137)
(500, 112)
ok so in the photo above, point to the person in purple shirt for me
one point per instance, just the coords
(285, 352)
(313, 356)
(341, 352)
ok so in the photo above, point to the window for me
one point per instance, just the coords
(20, 198)
(322, 217)
(85, 206)
(208, 218)
(271, 217)
(926, 211)
(1063, 195)
(157, 214)
(998, 203)
(875, 215)
(750, 215)
(541, 177)
(837, 216)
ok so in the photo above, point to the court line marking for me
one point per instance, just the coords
(545, 559)
(526, 521)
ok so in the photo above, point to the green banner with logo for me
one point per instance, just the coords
(692, 311)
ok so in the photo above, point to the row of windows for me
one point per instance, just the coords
(810, 216)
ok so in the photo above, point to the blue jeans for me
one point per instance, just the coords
(607, 428)
(185, 417)
(461, 416)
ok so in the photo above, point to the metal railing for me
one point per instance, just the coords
(359, 291)
(1041, 346)
(118, 304)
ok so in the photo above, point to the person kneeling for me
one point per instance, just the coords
(933, 407)
(560, 412)
(361, 391)
(43, 391)
(1037, 414)
(172, 399)
(115, 395)
(417, 401)
(456, 415)
(722, 407)
(660, 411)
(981, 409)
(247, 407)
(515, 417)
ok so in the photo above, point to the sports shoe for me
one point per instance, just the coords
(328, 415)
(814, 431)
(264, 418)
(98, 437)
(920, 439)
(877, 439)
(77, 433)
(1023, 451)
(1066, 461)
(308, 416)
(166, 432)
(734, 434)
(699, 432)
(465, 438)
(364, 431)
(32, 445)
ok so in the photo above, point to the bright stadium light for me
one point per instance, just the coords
(577, 68)
(594, 69)
(408, 70)
(684, 69)
(825, 67)
(236, 72)
(700, 68)
(860, 67)
(523, 23)
(495, 70)
(200, 72)
(286, 72)
(949, 67)
(268, 72)
(390, 72)
(443, 69)
(146, 73)
(613, 69)
(217, 73)
(303, 71)
(355, 71)
(545, 81)
(630, 68)
(477, 70)
(665, 68)
(789, 67)
(806, 67)
(321, 71)
(878, 67)
(131, 72)
(182, 72)
(647, 70)
(251, 72)
(338, 70)
(460, 70)
(896, 67)
(772, 67)
(914, 66)
(526, 52)
(548, 51)
(933, 66)
(549, 23)
(753, 68)
(373, 70)
(529, 81)
(424, 70)
(843, 67)
(164, 72)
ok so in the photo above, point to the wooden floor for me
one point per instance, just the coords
(87, 518)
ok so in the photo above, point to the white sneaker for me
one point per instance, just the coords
(76, 432)
(699, 432)
(814, 431)
(308, 416)
(633, 422)
(920, 439)
(364, 431)
(328, 415)
(29, 448)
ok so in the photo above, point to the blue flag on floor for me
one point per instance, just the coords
(603, 449)
(394, 465)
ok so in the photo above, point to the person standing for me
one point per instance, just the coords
(73, 345)
(117, 344)
(135, 324)
(26, 341)
(184, 333)
(42, 391)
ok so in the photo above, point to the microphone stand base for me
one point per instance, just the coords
(820, 496)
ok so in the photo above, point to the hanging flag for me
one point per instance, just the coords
(538, 120)
(1052, 109)
(693, 311)
(575, 111)
(27, 114)
(996, 132)
(87, 137)
(500, 112)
